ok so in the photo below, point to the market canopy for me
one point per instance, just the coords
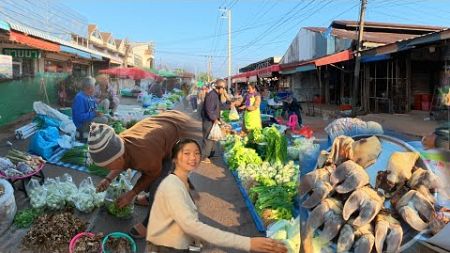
(133, 73)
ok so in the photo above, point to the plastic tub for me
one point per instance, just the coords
(118, 235)
(78, 236)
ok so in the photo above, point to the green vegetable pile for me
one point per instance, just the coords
(97, 170)
(26, 217)
(269, 175)
(118, 127)
(239, 155)
(115, 190)
(225, 115)
(276, 145)
(124, 212)
(76, 155)
(256, 136)
(273, 203)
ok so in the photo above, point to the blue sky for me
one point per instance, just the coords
(186, 31)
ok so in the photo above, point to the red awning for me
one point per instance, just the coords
(325, 60)
(33, 42)
(258, 72)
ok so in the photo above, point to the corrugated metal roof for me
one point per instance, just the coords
(380, 25)
(409, 43)
(376, 37)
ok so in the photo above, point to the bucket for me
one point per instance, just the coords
(119, 235)
(66, 111)
(78, 236)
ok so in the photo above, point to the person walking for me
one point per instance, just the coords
(174, 226)
(144, 147)
(193, 98)
(211, 116)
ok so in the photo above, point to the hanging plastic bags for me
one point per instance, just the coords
(234, 115)
(216, 133)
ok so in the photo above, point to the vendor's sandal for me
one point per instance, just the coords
(142, 200)
(134, 232)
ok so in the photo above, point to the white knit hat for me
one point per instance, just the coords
(104, 145)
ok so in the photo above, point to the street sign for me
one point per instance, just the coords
(22, 53)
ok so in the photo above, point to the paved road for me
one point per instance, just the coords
(220, 204)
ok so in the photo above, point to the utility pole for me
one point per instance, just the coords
(355, 93)
(209, 69)
(229, 50)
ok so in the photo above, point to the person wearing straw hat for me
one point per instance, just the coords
(145, 147)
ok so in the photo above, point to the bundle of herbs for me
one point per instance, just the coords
(89, 244)
(26, 217)
(97, 170)
(53, 232)
(118, 245)
(76, 155)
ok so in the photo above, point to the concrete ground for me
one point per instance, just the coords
(220, 204)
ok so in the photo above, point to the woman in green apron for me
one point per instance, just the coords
(252, 114)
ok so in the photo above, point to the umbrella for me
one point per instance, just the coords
(133, 73)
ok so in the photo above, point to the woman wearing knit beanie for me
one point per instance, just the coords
(145, 147)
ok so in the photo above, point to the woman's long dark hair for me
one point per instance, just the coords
(176, 150)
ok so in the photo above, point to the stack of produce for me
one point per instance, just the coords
(76, 155)
(272, 186)
(273, 203)
(53, 232)
(56, 193)
(120, 244)
(237, 154)
(19, 164)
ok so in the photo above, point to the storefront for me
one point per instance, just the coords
(25, 61)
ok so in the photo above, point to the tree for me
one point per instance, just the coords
(202, 76)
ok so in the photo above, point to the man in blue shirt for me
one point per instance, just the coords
(84, 108)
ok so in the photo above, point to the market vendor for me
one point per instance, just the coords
(105, 94)
(292, 106)
(145, 147)
(252, 114)
(84, 108)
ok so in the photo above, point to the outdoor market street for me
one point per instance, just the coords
(220, 203)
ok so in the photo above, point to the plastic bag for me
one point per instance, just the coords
(234, 115)
(287, 232)
(44, 142)
(55, 199)
(66, 124)
(216, 133)
(87, 198)
(115, 190)
(8, 206)
(37, 193)
(68, 188)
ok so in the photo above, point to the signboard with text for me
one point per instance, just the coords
(22, 53)
(6, 68)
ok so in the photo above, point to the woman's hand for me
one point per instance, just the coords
(125, 199)
(103, 185)
(266, 245)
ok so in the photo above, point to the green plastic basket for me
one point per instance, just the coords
(119, 235)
